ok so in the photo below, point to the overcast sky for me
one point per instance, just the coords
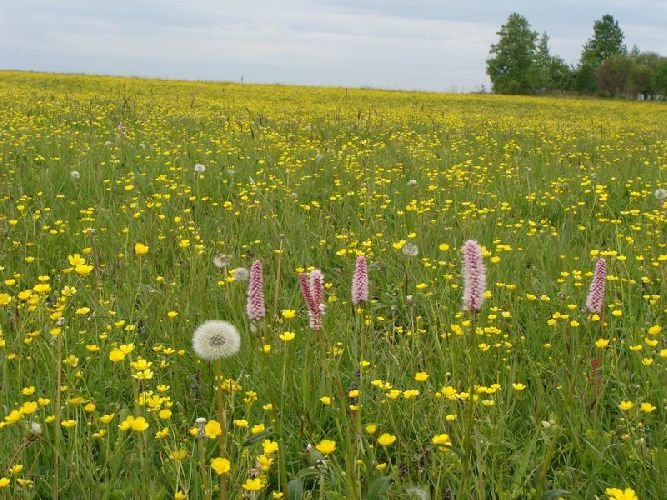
(415, 44)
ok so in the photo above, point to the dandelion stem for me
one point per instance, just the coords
(221, 420)
(202, 467)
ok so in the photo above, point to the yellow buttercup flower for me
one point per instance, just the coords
(220, 465)
(326, 446)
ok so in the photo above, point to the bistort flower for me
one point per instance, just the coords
(255, 307)
(595, 299)
(360, 281)
(474, 276)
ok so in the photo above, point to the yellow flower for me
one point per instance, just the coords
(618, 494)
(371, 428)
(441, 440)
(626, 405)
(289, 313)
(264, 462)
(326, 447)
(137, 424)
(116, 355)
(83, 269)
(140, 249)
(443, 247)
(213, 429)
(421, 377)
(386, 439)
(105, 419)
(220, 465)
(4, 482)
(270, 447)
(287, 336)
(325, 400)
(172, 314)
(5, 299)
(601, 343)
(253, 484)
(241, 423)
(178, 454)
(126, 348)
(68, 423)
(15, 469)
(647, 407)
(654, 330)
(179, 495)
(518, 387)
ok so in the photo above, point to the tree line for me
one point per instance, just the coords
(521, 63)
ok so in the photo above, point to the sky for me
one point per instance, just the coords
(409, 44)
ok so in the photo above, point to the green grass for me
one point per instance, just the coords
(300, 177)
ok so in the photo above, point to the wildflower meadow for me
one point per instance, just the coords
(217, 290)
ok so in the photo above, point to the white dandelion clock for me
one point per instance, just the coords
(215, 339)
(199, 168)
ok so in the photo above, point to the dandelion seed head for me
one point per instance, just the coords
(240, 274)
(410, 249)
(199, 168)
(221, 260)
(215, 339)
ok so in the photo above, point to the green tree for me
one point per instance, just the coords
(549, 73)
(659, 78)
(511, 59)
(613, 76)
(607, 41)
(644, 65)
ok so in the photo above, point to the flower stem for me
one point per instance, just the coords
(56, 461)
(221, 420)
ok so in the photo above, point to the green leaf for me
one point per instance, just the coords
(258, 437)
(554, 494)
(379, 488)
(295, 489)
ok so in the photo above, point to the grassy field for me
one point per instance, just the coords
(132, 208)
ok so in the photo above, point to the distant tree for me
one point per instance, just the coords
(510, 61)
(548, 73)
(644, 65)
(613, 75)
(607, 41)
(659, 78)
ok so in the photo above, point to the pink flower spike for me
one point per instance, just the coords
(255, 307)
(305, 291)
(360, 281)
(474, 276)
(312, 289)
(595, 299)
